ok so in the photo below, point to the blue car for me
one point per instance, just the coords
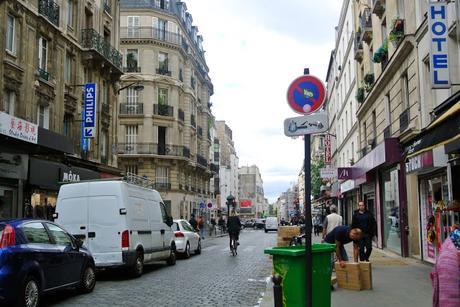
(38, 257)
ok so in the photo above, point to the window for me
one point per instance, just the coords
(59, 236)
(374, 125)
(162, 175)
(346, 122)
(70, 13)
(401, 8)
(68, 68)
(43, 116)
(104, 141)
(164, 213)
(131, 168)
(9, 102)
(42, 53)
(132, 96)
(388, 109)
(67, 123)
(131, 134)
(162, 96)
(133, 26)
(163, 62)
(353, 151)
(163, 4)
(405, 91)
(36, 233)
(10, 33)
(162, 26)
(132, 59)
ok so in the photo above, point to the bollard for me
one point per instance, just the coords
(277, 290)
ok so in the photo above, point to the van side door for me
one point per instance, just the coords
(166, 230)
(156, 225)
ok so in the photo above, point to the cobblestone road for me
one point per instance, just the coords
(214, 278)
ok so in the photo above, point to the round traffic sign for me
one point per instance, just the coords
(306, 94)
(209, 205)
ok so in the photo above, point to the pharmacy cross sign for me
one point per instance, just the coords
(306, 94)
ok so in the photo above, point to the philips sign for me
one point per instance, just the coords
(89, 130)
(439, 57)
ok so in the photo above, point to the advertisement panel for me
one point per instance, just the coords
(245, 203)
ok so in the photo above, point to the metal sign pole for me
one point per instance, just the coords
(307, 212)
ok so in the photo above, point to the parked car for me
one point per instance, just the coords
(186, 238)
(271, 223)
(259, 224)
(122, 224)
(248, 223)
(38, 257)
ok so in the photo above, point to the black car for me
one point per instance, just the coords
(259, 224)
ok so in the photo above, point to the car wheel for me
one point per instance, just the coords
(138, 266)
(266, 230)
(30, 294)
(187, 251)
(198, 249)
(88, 280)
(172, 256)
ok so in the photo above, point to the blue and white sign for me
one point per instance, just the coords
(439, 56)
(83, 141)
(89, 130)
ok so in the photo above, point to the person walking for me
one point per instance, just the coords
(201, 226)
(212, 226)
(364, 220)
(331, 221)
(221, 224)
(193, 222)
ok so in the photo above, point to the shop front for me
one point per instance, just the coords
(13, 173)
(349, 200)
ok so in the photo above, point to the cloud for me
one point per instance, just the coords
(254, 49)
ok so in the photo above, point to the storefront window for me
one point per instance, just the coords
(43, 204)
(390, 193)
(7, 199)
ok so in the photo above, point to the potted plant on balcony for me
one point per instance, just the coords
(397, 31)
(360, 94)
(368, 81)
(381, 55)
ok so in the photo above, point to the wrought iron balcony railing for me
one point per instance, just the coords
(43, 74)
(181, 115)
(152, 149)
(150, 33)
(201, 160)
(50, 10)
(94, 41)
(163, 71)
(131, 108)
(131, 69)
(163, 110)
(214, 168)
(107, 7)
(162, 186)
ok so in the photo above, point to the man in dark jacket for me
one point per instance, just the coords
(193, 222)
(365, 221)
(234, 225)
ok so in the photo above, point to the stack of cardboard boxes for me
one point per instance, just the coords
(286, 233)
(354, 276)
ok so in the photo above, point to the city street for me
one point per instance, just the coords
(214, 278)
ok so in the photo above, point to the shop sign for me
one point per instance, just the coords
(69, 176)
(420, 161)
(18, 128)
(327, 150)
(344, 173)
(13, 166)
(245, 203)
(439, 56)
(327, 173)
(89, 130)
(347, 186)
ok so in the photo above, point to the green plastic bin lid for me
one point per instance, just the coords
(300, 250)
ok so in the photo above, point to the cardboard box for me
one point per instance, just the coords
(349, 277)
(288, 231)
(281, 242)
(366, 275)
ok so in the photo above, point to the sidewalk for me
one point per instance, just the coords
(396, 282)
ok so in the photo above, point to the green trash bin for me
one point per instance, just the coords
(289, 263)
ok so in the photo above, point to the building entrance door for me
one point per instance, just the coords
(7, 201)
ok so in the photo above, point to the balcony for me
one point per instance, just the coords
(131, 69)
(131, 108)
(43, 74)
(107, 7)
(192, 189)
(397, 32)
(144, 4)
(378, 7)
(162, 186)
(142, 33)
(192, 121)
(163, 110)
(200, 131)
(201, 161)
(153, 149)
(404, 119)
(163, 71)
(366, 26)
(181, 115)
(358, 46)
(93, 41)
(50, 10)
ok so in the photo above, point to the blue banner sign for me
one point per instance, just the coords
(89, 130)
(439, 56)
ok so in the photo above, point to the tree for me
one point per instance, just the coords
(316, 180)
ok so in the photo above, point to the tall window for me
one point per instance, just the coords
(67, 123)
(9, 102)
(162, 96)
(162, 27)
(163, 4)
(388, 109)
(161, 175)
(401, 8)
(131, 138)
(68, 68)
(70, 4)
(104, 93)
(353, 152)
(43, 115)
(374, 125)
(346, 122)
(132, 96)
(131, 168)
(132, 59)
(163, 62)
(133, 26)
(405, 90)
(10, 32)
(42, 53)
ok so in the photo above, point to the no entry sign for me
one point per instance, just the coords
(306, 94)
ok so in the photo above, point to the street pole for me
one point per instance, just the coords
(308, 255)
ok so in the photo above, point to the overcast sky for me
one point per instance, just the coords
(254, 49)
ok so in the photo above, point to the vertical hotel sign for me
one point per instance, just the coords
(327, 150)
(439, 56)
(89, 122)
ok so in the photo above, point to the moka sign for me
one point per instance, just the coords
(439, 55)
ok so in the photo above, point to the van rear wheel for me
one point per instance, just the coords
(138, 266)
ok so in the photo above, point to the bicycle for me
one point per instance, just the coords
(233, 245)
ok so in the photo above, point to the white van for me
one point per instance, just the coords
(271, 223)
(122, 224)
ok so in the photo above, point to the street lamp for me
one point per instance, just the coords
(137, 86)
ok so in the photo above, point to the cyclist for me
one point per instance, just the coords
(233, 227)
